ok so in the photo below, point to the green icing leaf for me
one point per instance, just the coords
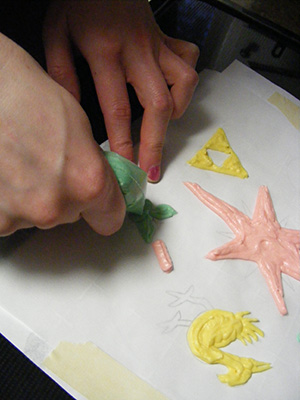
(162, 211)
(147, 207)
(146, 212)
(145, 221)
(146, 229)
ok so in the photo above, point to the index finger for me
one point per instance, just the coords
(113, 98)
(154, 96)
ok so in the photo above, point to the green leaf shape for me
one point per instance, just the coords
(146, 221)
(146, 212)
(146, 229)
(162, 211)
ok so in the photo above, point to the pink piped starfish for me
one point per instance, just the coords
(260, 239)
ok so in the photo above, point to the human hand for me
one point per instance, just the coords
(51, 169)
(123, 44)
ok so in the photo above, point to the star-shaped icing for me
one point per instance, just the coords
(260, 239)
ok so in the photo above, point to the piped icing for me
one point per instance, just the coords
(260, 239)
(219, 142)
(215, 329)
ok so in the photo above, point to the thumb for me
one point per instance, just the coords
(106, 212)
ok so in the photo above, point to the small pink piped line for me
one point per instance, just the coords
(163, 256)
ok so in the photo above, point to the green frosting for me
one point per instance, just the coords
(145, 221)
(132, 181)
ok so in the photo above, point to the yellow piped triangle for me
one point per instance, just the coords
(219, 142)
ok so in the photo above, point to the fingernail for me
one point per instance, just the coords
(154, 173)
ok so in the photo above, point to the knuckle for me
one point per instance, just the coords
(155, 146)
(163, 103)
(46, 214)
(58, 72)
(110, 48)
(189, 80)
(7, 226)
(121, 111)
(194, 50)
(190, 77)
(88, 184)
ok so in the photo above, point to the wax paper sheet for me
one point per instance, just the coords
(70, 284)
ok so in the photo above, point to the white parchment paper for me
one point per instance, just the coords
(70, 284)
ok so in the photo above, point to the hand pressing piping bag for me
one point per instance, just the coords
(133, 181)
